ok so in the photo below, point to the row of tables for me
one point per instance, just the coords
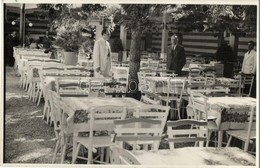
(182, 156)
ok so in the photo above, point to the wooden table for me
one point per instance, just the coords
(223, 108)
(81, 103)
(196, 156)
(159, 84)
(233, 83)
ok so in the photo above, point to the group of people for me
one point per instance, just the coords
(175, 54)
(11, 41)
(175, 57)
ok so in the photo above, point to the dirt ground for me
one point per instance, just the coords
(27, 138)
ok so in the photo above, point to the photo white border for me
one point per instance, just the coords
(220, 2)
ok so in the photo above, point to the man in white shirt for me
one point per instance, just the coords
(249, 62)
(102, 55)
(249, 66)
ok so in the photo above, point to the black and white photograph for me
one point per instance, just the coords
(166, 84)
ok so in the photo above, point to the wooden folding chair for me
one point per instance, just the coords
(155, 112)
(138, 132)
(246, 134)
(245, 84)
(186, 130)
(200, 110)
(100, 121)
(174, 91)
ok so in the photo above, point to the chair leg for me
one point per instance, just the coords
(90, 155)
(39, 99)
(108, 154)
(75, 151)
(63, 150)
(56, 150)
(102, 154)
(45, 110)
(229, 141)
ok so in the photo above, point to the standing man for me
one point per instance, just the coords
(249, 65)
(249, 62)
(224, 54)
(10, 41)
(27, 40)
(175, 56)
(46, 41)
(102, 55)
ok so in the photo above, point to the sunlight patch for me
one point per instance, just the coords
(36, 116)
(9, 95)
(10, 120)
(33, 155)
(24, 139)
(20, 139)
(34, 112)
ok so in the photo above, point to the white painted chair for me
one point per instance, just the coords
(247, 134)
(100, 121)
(138, 133)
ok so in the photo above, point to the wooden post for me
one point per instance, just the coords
(123, 36)
(22, 24)
(165, 33)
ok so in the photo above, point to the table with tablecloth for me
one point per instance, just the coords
(195, 156)
(232, 83)
(230, 112)
(159, 84)
(81, 105)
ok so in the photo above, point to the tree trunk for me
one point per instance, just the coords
(235, 49)
(134, 64)
(220, 37)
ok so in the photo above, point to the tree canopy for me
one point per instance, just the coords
(236, 19)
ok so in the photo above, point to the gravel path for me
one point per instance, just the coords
(28, 139)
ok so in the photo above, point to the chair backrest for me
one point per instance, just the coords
(121, 75)
(154, 112)
(210, 78)
(93, 119)
(244, 80)
(195, 71)
(200, 107)
(71, 87)
(153, 64)
(175, 88)
(144, 63)
(186, 130)
(150, 98)
(123, 157)
(138, 131)
(217, 90)
(97, 87)
(76, 71)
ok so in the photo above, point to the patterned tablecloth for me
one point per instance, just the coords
(231, 112)
(159, 84)
(232, 83)
(196, 156)
(81, 105)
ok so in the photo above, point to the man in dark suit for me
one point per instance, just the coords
(175, 56)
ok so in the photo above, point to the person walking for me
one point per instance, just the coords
(10, 41)
(102, 55)
(175, 56)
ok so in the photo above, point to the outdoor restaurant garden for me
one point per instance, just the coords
(132, 84)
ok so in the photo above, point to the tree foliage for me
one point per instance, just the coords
(141, 16)
(236, 19)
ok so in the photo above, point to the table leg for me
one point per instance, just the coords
(220, 138)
